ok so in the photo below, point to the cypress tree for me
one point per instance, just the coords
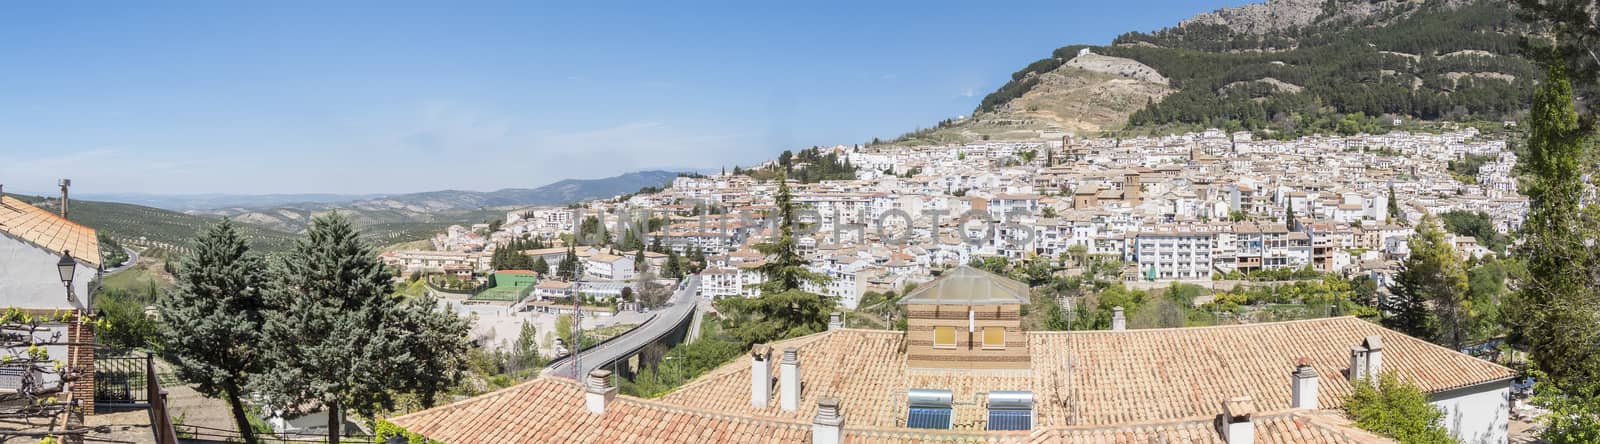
(1394, 206)
(1288, 219)
(217, 308)
(1553, 310)
(339, 340)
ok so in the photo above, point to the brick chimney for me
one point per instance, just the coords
(828, 427)
(1119, 322)
(789, 380)
(598, 391)
(835, 321)
(1236, 425)
(1305, 386)
(760, 376)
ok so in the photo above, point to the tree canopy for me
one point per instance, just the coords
(337, 339)
(218, 343)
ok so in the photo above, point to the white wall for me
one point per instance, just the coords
(28, 277)
(1477, 414)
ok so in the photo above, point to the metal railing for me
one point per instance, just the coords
(122, 381)
(160, 419)
(194, 433)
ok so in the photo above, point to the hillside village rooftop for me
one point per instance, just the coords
(1275, 382)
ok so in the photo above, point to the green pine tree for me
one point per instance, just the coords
(218, 299)
(336, 338)
(674, 267)
(541, 266)
(1433, 276)
(785, 270)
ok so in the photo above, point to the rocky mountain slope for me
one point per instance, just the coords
(1283, 68)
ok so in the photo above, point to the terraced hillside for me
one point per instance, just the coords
(156, 229)
(159, 231)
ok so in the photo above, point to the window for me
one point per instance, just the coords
(994, 337)
(944, 337)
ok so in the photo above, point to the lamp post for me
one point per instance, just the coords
(67, 267)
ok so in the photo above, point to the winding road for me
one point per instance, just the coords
(677, 311)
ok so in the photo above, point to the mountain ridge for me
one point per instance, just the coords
(443, 207)
(1282, 68)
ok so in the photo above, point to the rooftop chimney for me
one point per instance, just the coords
(1358, 363)
(1236, 425)
(835, 321)
(64, 184)
(760, 376)
(1305, 386)
(789, 380)
(598, 391)
(828, 428)
(1118, 321)
(1374, 345)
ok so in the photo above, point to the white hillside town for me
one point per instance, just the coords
(1202, 209)
(1191, 208)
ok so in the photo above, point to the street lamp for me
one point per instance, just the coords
(67, 267)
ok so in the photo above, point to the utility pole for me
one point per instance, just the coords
(577, 312)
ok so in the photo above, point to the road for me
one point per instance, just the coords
(133, 257)
(667, 318)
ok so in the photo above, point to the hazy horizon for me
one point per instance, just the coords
(360, 99)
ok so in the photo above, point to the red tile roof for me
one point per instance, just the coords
(1136, 386)
(548, 410)
(49, 230)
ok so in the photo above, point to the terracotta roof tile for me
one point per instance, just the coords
(48, 230)
(1137, 386)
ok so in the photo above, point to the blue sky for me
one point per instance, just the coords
(290, 97)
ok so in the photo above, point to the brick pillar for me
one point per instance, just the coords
(81, 331)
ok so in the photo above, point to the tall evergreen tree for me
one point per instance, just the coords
(1394, 206)
(674, 267)
(639, 263)
(567, 270)
(541, 266)
(784, 310)
(338, 339)
(1288, 218)
(1554, 311)
(1433, 276)
(218, 300)
(785, 270)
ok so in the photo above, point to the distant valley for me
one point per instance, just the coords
(272, 222)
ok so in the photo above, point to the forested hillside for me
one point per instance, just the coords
(1355, 61)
